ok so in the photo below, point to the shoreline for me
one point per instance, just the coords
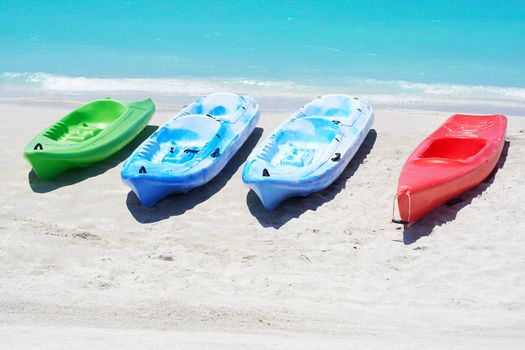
(268, 104)
(37, 88)
(80, 258)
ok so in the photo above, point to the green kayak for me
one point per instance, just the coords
(87, 135)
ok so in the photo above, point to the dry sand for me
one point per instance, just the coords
(84, 265)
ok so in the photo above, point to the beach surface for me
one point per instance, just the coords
(84, 266)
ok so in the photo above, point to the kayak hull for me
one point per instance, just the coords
(455, 158)
(309, 150)
(192, 148)
(86, 136)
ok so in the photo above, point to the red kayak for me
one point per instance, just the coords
(456, 157)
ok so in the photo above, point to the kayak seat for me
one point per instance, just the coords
(80, 132)
(178, 154)
(301, 142)
(73, 133)
(224, 106)
(182, 140)
(298, 157)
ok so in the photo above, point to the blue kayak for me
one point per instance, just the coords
(309, 150)
(192, 148)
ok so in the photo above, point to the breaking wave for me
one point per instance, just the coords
(394, 93)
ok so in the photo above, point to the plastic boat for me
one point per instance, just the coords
(456, 157)
(309, 150)
(87, 135)
(192, 148)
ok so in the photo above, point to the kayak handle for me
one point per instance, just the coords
(142, 170)
(265, 173)
(337, 157)
(38, 146)
(215, 152)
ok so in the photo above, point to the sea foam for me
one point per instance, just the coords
(389, 93)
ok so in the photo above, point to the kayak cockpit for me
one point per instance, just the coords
(181, 141)
(85, 122)
(453, 148)
(299, 145)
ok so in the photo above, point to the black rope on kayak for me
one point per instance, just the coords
(172, 149)
(403, 222)
(265, 173)
(336, 122)
(337, 139)
(337, 157)
(394, 220)
(355, 98)
(454, 201)
(38, 146)
(142, 170)
(243, 107)
(215, 152)
(359, 109)
(209, 115)
(219, 136)
(191, 151)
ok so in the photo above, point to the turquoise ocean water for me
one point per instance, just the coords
(464, 53)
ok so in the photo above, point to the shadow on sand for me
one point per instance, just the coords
(295, 207)
(74, 176)
(178, 204)
(446, 213)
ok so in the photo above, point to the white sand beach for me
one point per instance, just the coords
(84, 266)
